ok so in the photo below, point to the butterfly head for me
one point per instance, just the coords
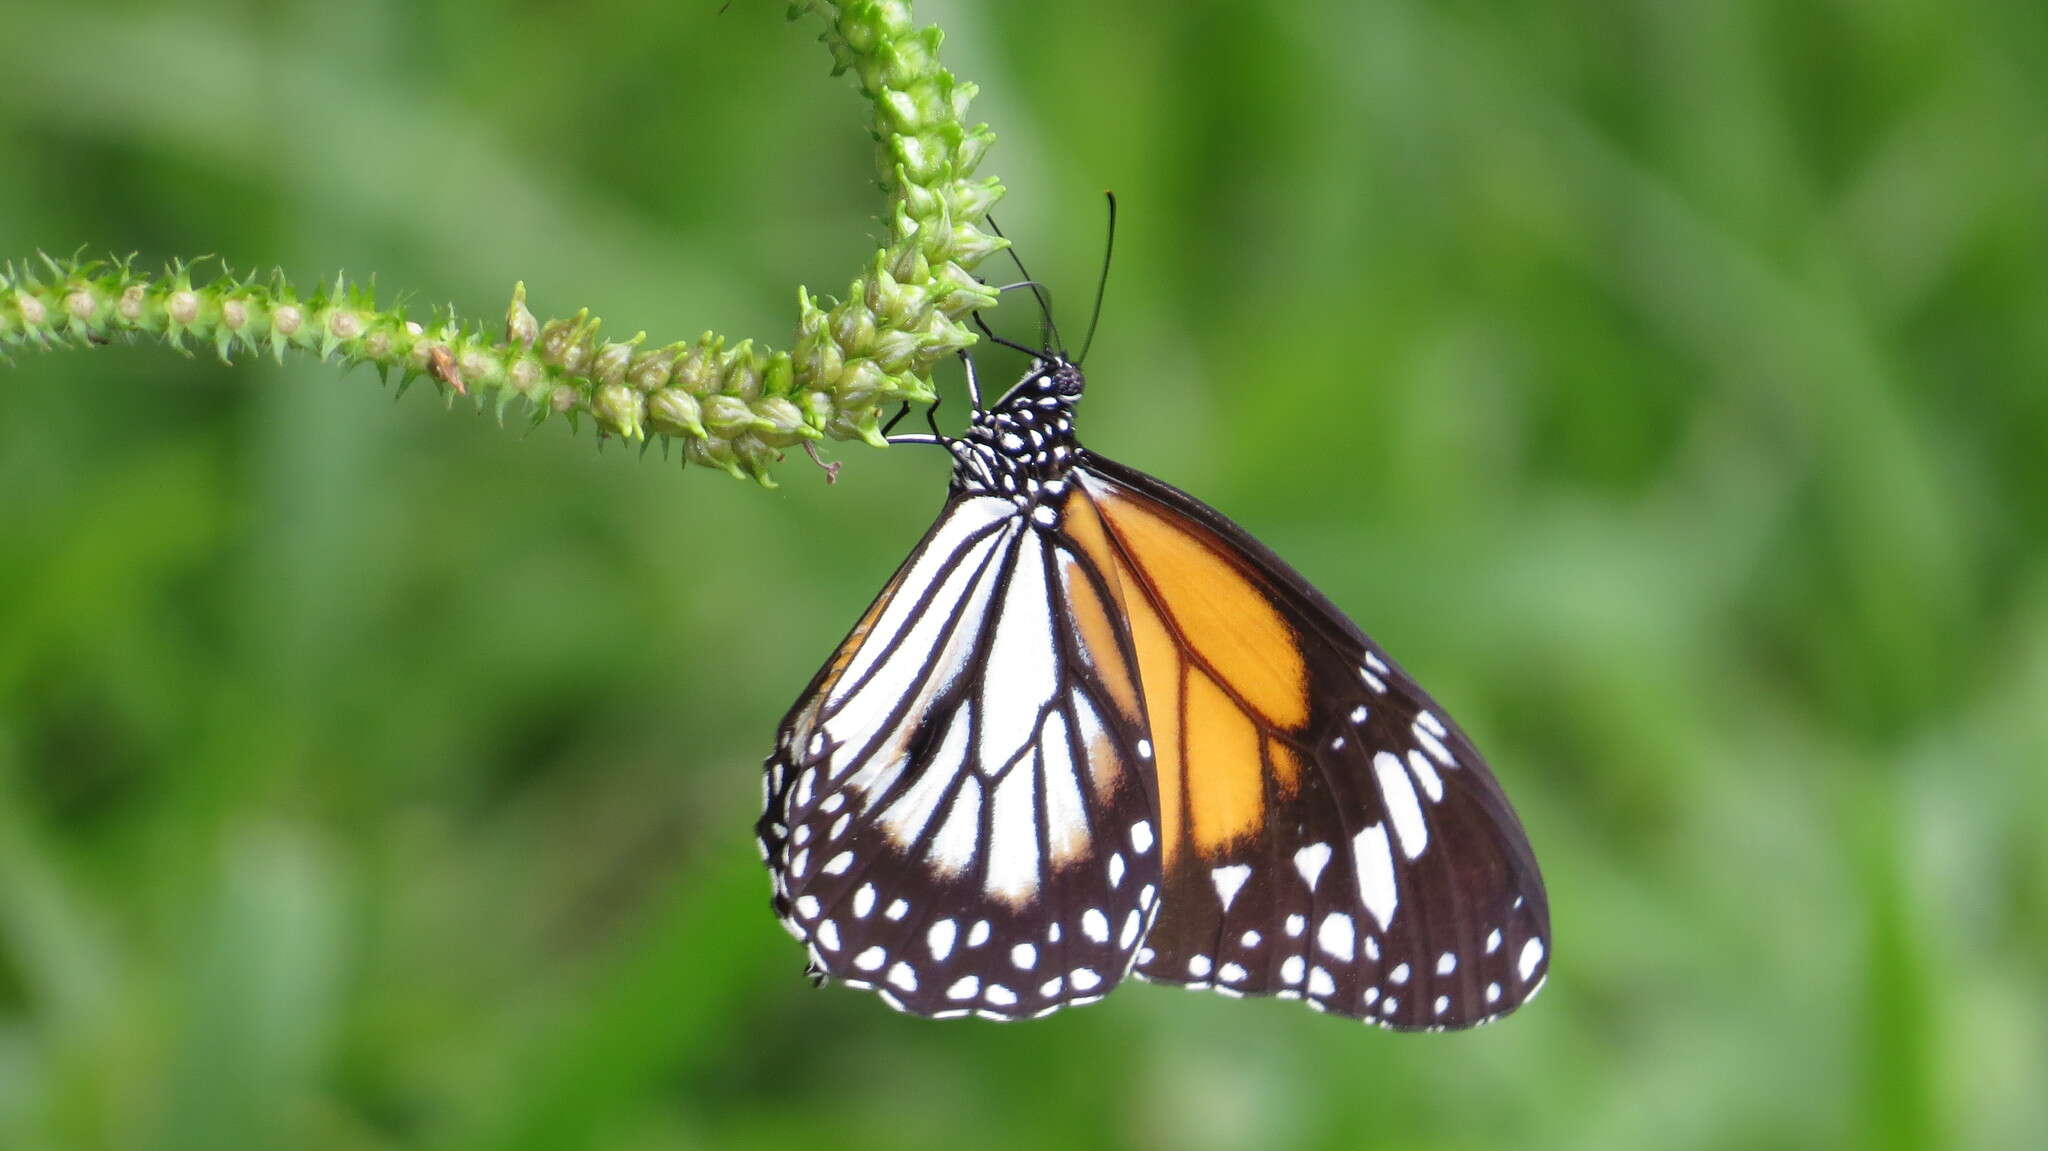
(1023, 445)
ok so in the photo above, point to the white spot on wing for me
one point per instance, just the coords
(1434, 746)
(1425, 774)
(1337, 936)
(1229, 881)
(1532, 954)
(1373, 861)
(1024, 956)
(1095, 925)
(940, 938)
(1310, 861)
(1402, 806)
(1141, 836)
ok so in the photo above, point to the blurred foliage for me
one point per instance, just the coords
(1664, 383)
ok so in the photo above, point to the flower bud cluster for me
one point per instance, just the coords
(735, 407)
(876, 347)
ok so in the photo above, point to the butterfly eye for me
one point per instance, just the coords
(1067, 380)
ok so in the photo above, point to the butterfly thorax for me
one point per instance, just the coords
(1023, 445)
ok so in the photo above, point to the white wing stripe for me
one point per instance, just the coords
(914, 671)
(905, 819)
(1013, 854)
(952, 849)
(1402, 805)
(967, 518)
(1023, 669)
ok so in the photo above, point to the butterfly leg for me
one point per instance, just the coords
(973, 384)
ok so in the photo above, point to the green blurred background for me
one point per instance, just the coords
(1665, 383)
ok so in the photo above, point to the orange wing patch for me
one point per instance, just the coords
(1225, 788)
(1223, 675)
(1228, 621)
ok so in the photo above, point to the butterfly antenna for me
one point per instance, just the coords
(1108, 249)
(1048, 332)
(1035, 353)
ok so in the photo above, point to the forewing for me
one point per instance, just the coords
(952, 806)
(1327, 832)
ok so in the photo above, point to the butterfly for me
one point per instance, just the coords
(1092, 728)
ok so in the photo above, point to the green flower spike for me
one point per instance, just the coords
(734, 407)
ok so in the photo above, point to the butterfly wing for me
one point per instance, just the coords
(955, 811)
(1327, 832)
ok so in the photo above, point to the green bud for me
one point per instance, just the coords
(521, 329)
(611, 361)
(727, 415)
(83, 307)
(778, 376)
(697, 372)
(742, 372)
(675, 412)
(854, 327)
(897, 351)
(780, 423)
(621, 409)
(713, 452)
(649, 370)
(861, 383)
(131, 307)
(526, 375)
(755, 458)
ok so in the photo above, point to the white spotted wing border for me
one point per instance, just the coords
(955, 815)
